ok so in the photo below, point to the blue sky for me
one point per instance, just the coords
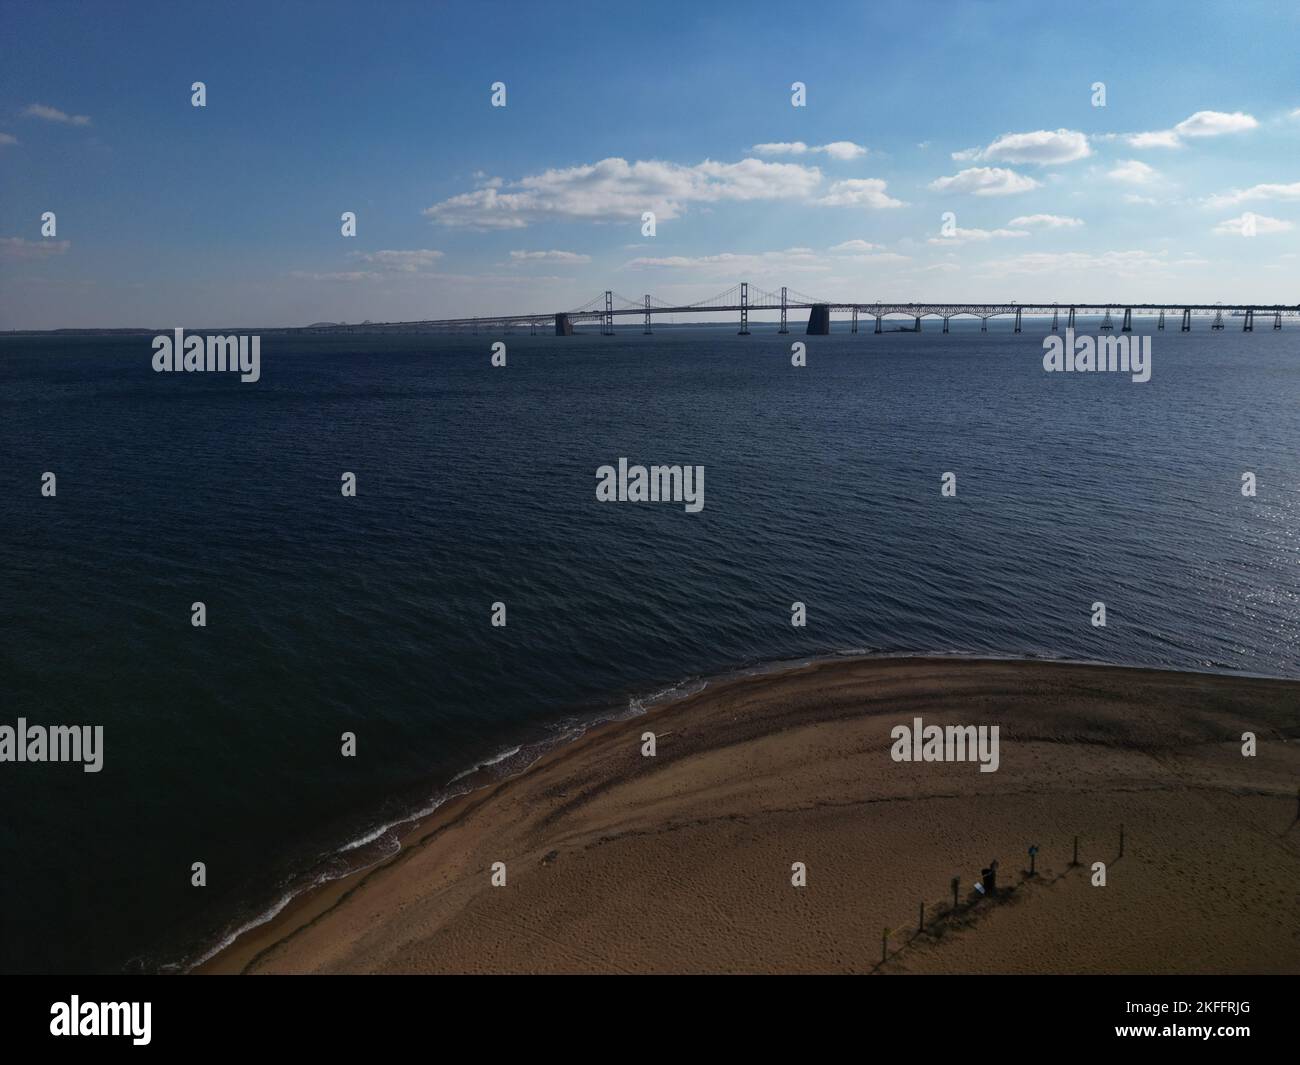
(1184, 187)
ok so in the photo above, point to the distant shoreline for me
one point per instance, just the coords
(619, 862)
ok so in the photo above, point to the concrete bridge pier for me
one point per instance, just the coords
(1160, 322)
(1248, 324)
(945, 323)
(916, 328)
(819, 320)
(1055, 319)
(878, 329)
(1017, 319)
(563, 326)
(984, 325)
(855, 321)
(1070, 324)
(1187, 320)
(1277, 319)
(1127, 327)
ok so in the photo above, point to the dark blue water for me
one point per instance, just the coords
(371, 615)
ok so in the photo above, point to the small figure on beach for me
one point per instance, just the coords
(990, 878)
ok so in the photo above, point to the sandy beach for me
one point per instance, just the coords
(682, 862)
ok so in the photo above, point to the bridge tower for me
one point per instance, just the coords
(784, 328)
(1218, 320)
(744, 309)
(607, 324)
(1248, 325)
(1127, 327)
(1106, 324)
(1056, 312)
(1017, 319)
(1187, 320)
(647, 330)
(1160, 322)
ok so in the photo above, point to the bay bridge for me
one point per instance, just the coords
(744, 298)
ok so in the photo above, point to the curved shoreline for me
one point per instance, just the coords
(249, 949)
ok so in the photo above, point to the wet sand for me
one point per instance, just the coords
(682, 862)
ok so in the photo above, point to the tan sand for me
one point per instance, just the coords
(682, 862)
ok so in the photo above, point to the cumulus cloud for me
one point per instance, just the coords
(1108, 264)
(1133, 172)
(1201, 124)
(1233, 197)
(835, 149)
(8, 138)
(548, 257)
(407, 262)
(1249, 225)
(855, 246)
(1042, 146)
(53, 114)
(791, 259)
(616, 190)
(18, 248)
(966, 236)
(1045, 221)
(858, 192)
(985, 181)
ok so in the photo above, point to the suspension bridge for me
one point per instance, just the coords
(744, 298)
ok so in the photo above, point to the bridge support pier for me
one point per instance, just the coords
(1017, 319)
(1218, 320)
(1277, 319)
(945, 323)
(1160, 322)
(647, 330)
(563, 326)
(854, 327)
(532, 329)
(1187, 321)
(1055, 318)
(1070, 324)
(984, 325)
(878, 329)
(1127, 327)
(784, 328)
(819, 320)
(1248, 326)
(916, 328)
(1106, 324)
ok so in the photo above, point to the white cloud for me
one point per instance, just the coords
(1201, 124)
(835, 149)
(1043, 147)
(1159, 138)
(616, 190)
(1128, 264)
(965, 236)
(985, 181)
(1133, 172)
(792, 259)
(53, 114)
(347, 276)
(1215, 123)
(548, 257)
(1256, 192)
(1046, 221)
(856, 246)
(18, 248)
(407, 262)
(1145, 201)
(8, 138)
(858, 192)
(1248, 224)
